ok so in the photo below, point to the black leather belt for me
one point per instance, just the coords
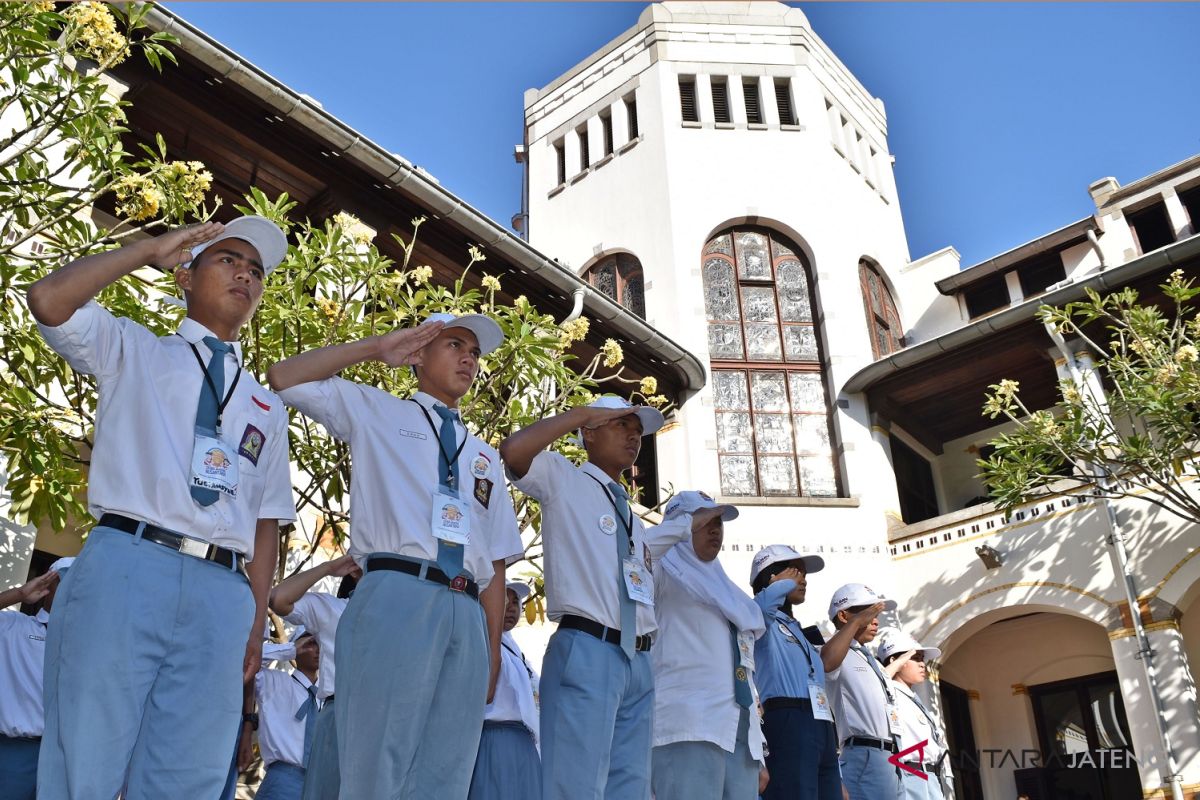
(230, 559)
(610, 635)
(458, 584)
(928, 769)
(776, 703)
(867, 741)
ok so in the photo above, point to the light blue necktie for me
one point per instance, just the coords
(308, 713)
(741, 681)
(450, 554)
(207, 408)
(628, 608)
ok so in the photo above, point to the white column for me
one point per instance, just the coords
(620, 121)
(1177, 214)
(704, 99)
(766, 99)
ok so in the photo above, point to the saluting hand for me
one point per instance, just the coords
(403, 346)
(891, 669)
(595, 417)
(173, 248)
(39, 587)
(789, 574)
(862, 620)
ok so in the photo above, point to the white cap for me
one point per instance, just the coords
(652, 419)
(486, 331)
(265, 236)
(298, 632)
(857, 594)
(894, 640)
(774, 553)
(691, 502)
(522, 590)
(62, 565)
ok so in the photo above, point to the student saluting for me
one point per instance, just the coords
(163, 611)
(597, 683)
(431, 525)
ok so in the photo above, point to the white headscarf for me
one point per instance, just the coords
(708, 584)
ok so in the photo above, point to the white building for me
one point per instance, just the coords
(717, 169)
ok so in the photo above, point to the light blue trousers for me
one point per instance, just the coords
(913, 788)
(868, 775)
(508, 765)
(322, 779)
(597, 715)
(412, 674)
(283, 781)
(704, 771)
(18, 768)
(143, 676)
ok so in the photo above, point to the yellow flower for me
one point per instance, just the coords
(355, 228)
(612, 353)
(491, 282)
(657, 400)
(41, 6)
(422, 274)
(189, 178)
(1071, 394)
(1186, 354)
(95, 30)
(330, 308)
(1167, 374)
(476, 254)
(649, 385)
(137, 198)
(521, 303)
(416, 221)
(576, 330)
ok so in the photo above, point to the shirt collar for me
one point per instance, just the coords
(193, 333)
(429, 402)
(597, 473)
(902, 687)
(42, 616)
(302, 679)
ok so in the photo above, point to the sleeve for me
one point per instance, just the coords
(92, 340)
(8, 621)
(831, 674)
(504, 535)
(275, 651)
(304, 612)
(771, 598)
(544, 475)
(333, 402)
(277, 501)
(667, 534)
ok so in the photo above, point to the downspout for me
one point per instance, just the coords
(1120, 556)
(576, 309)
(1095, 243)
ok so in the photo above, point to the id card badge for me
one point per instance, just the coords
(745, 641)
(638, 581)
(214, 465)
(893, 716)
(820, 702)
(451, 520)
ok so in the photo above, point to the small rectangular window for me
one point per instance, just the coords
(1151, 227)
(1191, 202)
(914, 483)
(753, 108)
(687, 99)
(606, 125)
(631, 116)
(585, 158)
(1038, 274)
(720, 97)
(783, 101)
(986, 296)
(560, 157)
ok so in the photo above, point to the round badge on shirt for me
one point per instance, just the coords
(608, 524)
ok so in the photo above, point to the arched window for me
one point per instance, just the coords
(773, 417)
(883, 321)
(619, 276)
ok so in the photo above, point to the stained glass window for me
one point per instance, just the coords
(770, 395)
(883, 321)
(619, 277)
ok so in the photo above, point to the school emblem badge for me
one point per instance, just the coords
(252, 444)
(481, 465)
(216, 462)
(451, 513)
(483, 491)
(608, 524)
(647, 559)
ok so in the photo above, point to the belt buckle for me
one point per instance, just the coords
(458, 584)
(194, 547)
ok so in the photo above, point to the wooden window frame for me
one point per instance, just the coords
(887, 317)
(621, 279)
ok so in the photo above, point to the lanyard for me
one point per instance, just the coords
(521, 656)
(937, 735)
(213, 387)
(451, 460)
(800, 641)
(873, 664)
(625, 523)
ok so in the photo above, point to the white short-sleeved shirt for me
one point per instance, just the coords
(516, 688)
(693, 673)
(319, 613)
(859, 698)
(395, 451)
(149, 388)
(22, 654)
(280, 695)
(582, 574)
(916, 725)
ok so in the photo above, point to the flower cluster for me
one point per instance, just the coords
(612, 353)
(649, 385)
(189, 180)
(353, 227)
(95, 30)
(330, 308)
(422, 274)
(476, 254)
(575, 330)
(1187, 354)
(657, 400)
(138, 198)
(491, 283)
(1002, 400)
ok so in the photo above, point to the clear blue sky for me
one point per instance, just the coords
(999, 115)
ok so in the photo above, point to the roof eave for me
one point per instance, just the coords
(963, 278)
